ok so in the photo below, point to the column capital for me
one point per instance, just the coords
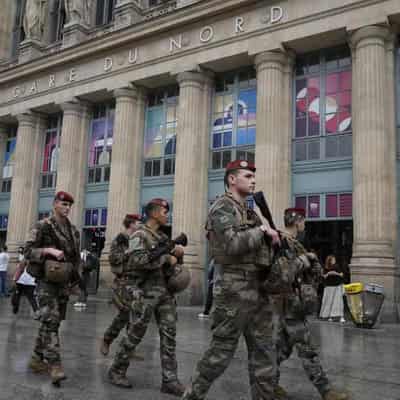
(28, 118)
(131, 91)
(274, 58)
(75, 106)
(190, 77)
(371, 34)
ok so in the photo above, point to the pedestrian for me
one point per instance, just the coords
(296, 297)
(4, 260)
(53, 254)
(146, 292)
(209, 298)
(89, 263)
(118, 260)
(24, 285)
(332, 301)
(242, 255)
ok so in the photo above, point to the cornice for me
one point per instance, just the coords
(123, 37)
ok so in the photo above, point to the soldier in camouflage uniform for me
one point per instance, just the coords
(119, 254)
(291, 328)
(146, 292)
(242, 256)
(52, 238)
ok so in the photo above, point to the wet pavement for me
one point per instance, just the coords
(365, 362)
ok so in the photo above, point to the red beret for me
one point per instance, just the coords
(296, 211)
(240, 164)
(64, 196)
(135, 217)
(159, 202)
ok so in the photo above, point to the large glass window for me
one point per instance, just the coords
(95, 217)
(233, 132)
(9, 161)
(100, 144)
(326, 206)
(51, 153)
(323, 123)
(160, 135)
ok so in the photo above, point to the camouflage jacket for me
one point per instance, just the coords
(145, 272)
(299, 272)
(49, 233)
(119, 253)
(236, 240)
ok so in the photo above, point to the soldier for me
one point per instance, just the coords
(242, 257)
(291, 328)
(53, 253)
(119, 254)
(147, 292)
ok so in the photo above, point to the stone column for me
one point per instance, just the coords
(374, 163)
(274, 130)
(72, 163)
(25, 182)
(126, 165)
(4, 130)
(191, 174)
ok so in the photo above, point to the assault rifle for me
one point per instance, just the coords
(167, 245)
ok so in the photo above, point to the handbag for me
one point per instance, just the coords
(57, 271)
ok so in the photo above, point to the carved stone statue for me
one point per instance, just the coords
(35, 19)
(79, 11)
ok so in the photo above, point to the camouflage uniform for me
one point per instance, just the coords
(146, 292)
(291, 328)
(118, 258)
(242, 258)
(53, 298)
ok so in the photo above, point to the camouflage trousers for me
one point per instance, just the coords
(53, 301)
(295, 333)
(163, 307)
(240, 309)
(121, 320)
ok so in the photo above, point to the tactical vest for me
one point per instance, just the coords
(246, 219)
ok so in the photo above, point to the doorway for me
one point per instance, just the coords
(331, 237)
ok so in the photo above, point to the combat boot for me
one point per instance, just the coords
(37, 365)
(335, 395)
(280, 393)
(104, 347)
(118, 379)
(174, 388)
(57, 373)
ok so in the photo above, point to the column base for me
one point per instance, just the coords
(29, 50)
(127, 12)
(385, 272)
(74, 33)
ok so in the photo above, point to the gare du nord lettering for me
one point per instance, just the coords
(206, 34)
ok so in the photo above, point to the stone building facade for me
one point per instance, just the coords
(132, 99)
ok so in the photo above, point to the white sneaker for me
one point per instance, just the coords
(330, 320)
(79, 304)
(342, 320)
(202, 315)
